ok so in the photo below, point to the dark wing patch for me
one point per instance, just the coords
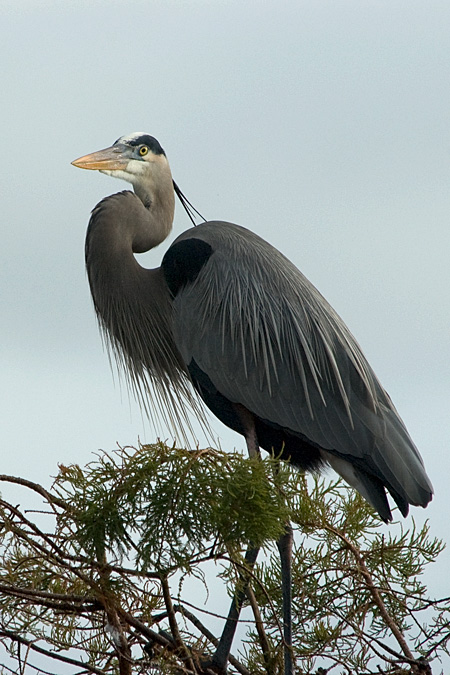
(222, 408)
(183, 261)
(284, 443)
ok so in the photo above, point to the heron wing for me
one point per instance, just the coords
(268, 340)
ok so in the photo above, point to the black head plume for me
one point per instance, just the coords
(187, 206)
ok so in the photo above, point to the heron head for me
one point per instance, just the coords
(132, 158)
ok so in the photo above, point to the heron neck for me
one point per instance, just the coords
(153, 224)
(131, 302)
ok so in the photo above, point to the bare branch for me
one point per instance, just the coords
(86, 667)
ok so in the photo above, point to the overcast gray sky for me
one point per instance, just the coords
(322, 125)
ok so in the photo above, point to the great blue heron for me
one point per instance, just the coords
(229, 314)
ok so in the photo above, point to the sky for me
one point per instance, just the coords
(321, 125)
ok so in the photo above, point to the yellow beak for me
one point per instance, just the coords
(110, 159)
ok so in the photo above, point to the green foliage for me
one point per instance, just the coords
(165, 505)
(102, 587)
(360, 585)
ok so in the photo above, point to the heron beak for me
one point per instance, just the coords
(110, 159)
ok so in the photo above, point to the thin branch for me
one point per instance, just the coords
(174, 626)
(375, 594)
(436, 646)
(207, 633)
(51, 499)
(79, 600)
(264, 642)
(253, 577)
(53, 655)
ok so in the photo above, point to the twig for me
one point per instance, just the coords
(207, 633)
(37, 488)
(174, 626)
(376, 595)
(55, 600)
(264, 642)
(53, 655)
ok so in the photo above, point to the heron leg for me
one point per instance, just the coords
(220, 658)
(285, 548)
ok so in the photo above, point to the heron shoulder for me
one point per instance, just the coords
(183, 261)
(193, 248)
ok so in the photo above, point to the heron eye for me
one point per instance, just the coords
(143, 150)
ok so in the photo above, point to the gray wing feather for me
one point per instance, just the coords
(268, 340)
